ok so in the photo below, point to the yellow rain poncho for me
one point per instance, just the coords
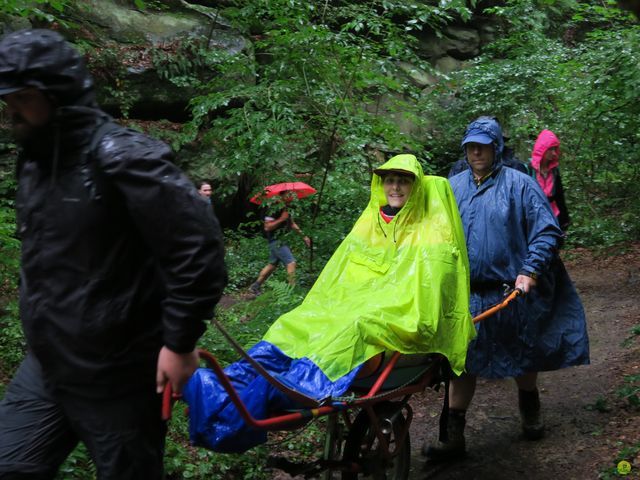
(401, 286)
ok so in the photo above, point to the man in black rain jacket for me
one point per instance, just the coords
(122, 261)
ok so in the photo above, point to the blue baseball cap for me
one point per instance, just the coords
(477, 136)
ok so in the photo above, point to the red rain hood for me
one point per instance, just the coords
(544, 142)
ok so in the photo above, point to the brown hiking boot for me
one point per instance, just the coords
(453, 446)
(532, 423)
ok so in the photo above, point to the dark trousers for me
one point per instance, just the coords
(39, 429)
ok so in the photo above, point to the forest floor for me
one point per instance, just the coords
(590, 426)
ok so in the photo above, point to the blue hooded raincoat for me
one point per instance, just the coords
(511, 230)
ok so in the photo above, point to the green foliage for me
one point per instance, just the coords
(245, 254)
(12, 343)
(11, 338)
(533, 78)
(600, 405)
(630, 391)
(9, 251)
(78, 466)
(9, 245)
(247, 322)
(627, 453)
(110, 72)
(311, 102)
(39, 9)
(186, 61)
(141, 4)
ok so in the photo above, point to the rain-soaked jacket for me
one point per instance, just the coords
(120, 255)
(511, 230)
(401, 286)
(550, 183)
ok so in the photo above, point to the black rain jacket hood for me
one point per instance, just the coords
(45, 60)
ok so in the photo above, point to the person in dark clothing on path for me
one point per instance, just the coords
(545, 161)
(508, 159)
(279, 252)
(122, 262)
(512, 238)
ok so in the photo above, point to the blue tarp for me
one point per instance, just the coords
(229, 433)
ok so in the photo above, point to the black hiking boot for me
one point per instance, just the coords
(453, 446)
(532, 423)
(255, 289)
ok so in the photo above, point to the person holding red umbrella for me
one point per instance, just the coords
(274, 228)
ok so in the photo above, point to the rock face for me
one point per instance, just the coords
(461, 43)
(139, 45)
(126, 24)
(138, 56)
(135, 46)
(446, 53)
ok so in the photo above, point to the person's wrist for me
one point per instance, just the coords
(533, 275)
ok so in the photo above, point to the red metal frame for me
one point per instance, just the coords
(292, 419)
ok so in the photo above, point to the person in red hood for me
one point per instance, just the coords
(545, 161)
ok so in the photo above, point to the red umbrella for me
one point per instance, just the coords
(300, 189)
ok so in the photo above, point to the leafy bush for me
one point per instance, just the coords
(532, 78)
(12, 344)
(78, 466)
(319, 95)
(630, 391)
(46, 10)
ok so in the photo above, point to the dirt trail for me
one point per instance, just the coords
(582, 440)
(587, 422)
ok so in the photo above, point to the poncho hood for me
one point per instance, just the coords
(401, 286)
(546, 140)
(413, 210)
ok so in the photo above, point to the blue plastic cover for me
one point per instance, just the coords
(510, 228)
(214, 421)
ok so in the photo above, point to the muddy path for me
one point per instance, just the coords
(587, 421)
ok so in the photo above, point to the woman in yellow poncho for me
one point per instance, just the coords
(398, 282)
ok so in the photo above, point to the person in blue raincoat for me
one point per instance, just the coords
(512, 238)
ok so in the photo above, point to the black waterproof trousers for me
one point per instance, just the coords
(39, 428)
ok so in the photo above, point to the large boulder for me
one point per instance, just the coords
(148, 64)
(124, 23)
(461, 43)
